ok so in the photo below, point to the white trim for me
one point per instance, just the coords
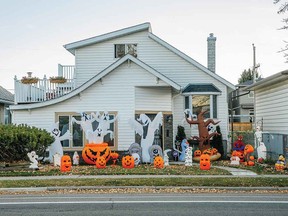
(201, 93)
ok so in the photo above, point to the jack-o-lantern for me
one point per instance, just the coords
(197, 153)
(214, 151)
(158, 162)
(91, 152)
(66, 163)
(248, 149)
(208, 152)
(128, 162)
(101, 162)
(205, 162)
(114, 156)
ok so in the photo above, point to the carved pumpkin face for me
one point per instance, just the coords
(207, 151)
(128, 162)
(197, 153)
(91, 152)
(158, 162)
(241, 156)
(101, 162)
(248, 149)
(214, 151)
(65, 163)
(114, 155)
(205, 162)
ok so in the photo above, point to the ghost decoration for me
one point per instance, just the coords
(155, 151)
(104, 122)
(262, 151)
(184, 146)
(57, 160)
(33, 159)
(166, 158)
(235, 161)
(137, 159)
(75, 158)
(56, 146)
(188, 156)
(146, 129)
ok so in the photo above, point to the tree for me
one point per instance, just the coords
(283, 9)
(247, 75)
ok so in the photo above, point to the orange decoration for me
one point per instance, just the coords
(214, 151)
(197, 153)
(205, 162)
(158, 162)
(208, 151)
(114, 156)
(101, 162)
(128, 162)
(66, 163)
(247, 151)
(92, 151)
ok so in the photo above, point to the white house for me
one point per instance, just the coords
(126, 72)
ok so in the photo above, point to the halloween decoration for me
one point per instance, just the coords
(137, 159)
(197, 153)
(128, 162)
(188, 156)
(86, 124)
(158, 162)
(184, 146)
(56, 146)
(205, 163)
(235, 160)
(146, 129)
(101, 162)
(135, 148)
(66, 163)
(33, 159)
(239, 145)
(213, 153)
(114, 156)
(166, 158)
(281, 163)
(247, 153)
(57, 160)
(91, 152)
(204, 135)
(75, 158)
(155, 151)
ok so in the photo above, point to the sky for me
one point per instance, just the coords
(33, 32)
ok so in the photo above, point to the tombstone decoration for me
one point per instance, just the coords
(188, 156)
(135, 148)
(57, 159)
(33, 157)
(155, 151)
(166, 158)
(137, 159)
(75, 158)
(146, 129)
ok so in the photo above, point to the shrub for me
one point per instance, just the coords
(17, 141)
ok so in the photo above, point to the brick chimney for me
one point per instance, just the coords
(211, 52)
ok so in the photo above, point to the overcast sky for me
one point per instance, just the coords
(33, 32)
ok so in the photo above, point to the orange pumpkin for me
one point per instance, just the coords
(114, 156)
(205, 162)
(197, 153)
(207, 151)
(101, 162)
(214, 151)
(128, 162)
(158, 162)
(66, 163)
(92, 151)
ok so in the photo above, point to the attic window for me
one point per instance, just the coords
(123, 49)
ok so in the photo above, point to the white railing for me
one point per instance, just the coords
(67, 71)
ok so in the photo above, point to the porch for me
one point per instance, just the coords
(39, 90)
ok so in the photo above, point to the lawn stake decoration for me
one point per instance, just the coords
(101, 162)
(158, 162)
(204, 136)
(66, 163)
(128, 162)
(166, 158)
(281, 163)
(205, 163)
(154, 151)
(33, 157)
(146, 129)
(75, 158)
(188, 156)
(56, 146)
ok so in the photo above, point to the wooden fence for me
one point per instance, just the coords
(241, 126)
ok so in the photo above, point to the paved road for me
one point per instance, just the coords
(145, 204)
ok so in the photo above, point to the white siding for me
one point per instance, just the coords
(271, 105)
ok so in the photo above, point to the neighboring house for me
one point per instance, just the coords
(6, 99)
(271, 113)
(125, 72)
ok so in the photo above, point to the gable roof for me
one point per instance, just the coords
(119, 33)
(201, 88)
(96, 78)
(6, 96)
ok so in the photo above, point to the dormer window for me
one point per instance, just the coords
(123, 49)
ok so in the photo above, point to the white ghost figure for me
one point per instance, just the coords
(86, 124)
(188, 156)
(33, 159)
(235, 160)
(56, 146)
(262, 151)
(137, 159)
(96, 136)
(146, 129)
(166, 158)
(56, 160)
(75, 158)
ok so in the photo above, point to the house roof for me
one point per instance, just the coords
(200, 88)
(6, 96)
(278, 77)
(119, 33)
(96, 78)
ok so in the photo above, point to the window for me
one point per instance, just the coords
(123, 49)
(251, 94)
(78, 134)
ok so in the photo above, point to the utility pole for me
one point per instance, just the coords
(254, 63)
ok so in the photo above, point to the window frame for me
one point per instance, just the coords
(126, 50)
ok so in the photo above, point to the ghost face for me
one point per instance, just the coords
(136, 158)
(56, 132)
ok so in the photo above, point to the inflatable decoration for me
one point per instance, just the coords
(146, 129)
(188, 156)
(247, 153)
(91, 152)
(75, 158)
(33, 159)
(207, 151)
(239, 145)
(281, 163)
(204, 135)
(135, 148)
(205, 162)
(114, 156)
(101, 162)
(66, 163)
(154, 151)
(166, 158)
(158, 162)
(197, 153)
(128, 162)
(137, 159)
(184, 146)
(56, 146)
(213, 154)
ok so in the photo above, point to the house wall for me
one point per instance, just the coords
(2, 119)
(271, 105)
(116, 92)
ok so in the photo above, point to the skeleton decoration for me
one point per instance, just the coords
(188, 156)
(33, 159)
(146, 129)
(75, 158)
(137, 159)
(166, 158)
(155, 151)
(56, 146)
